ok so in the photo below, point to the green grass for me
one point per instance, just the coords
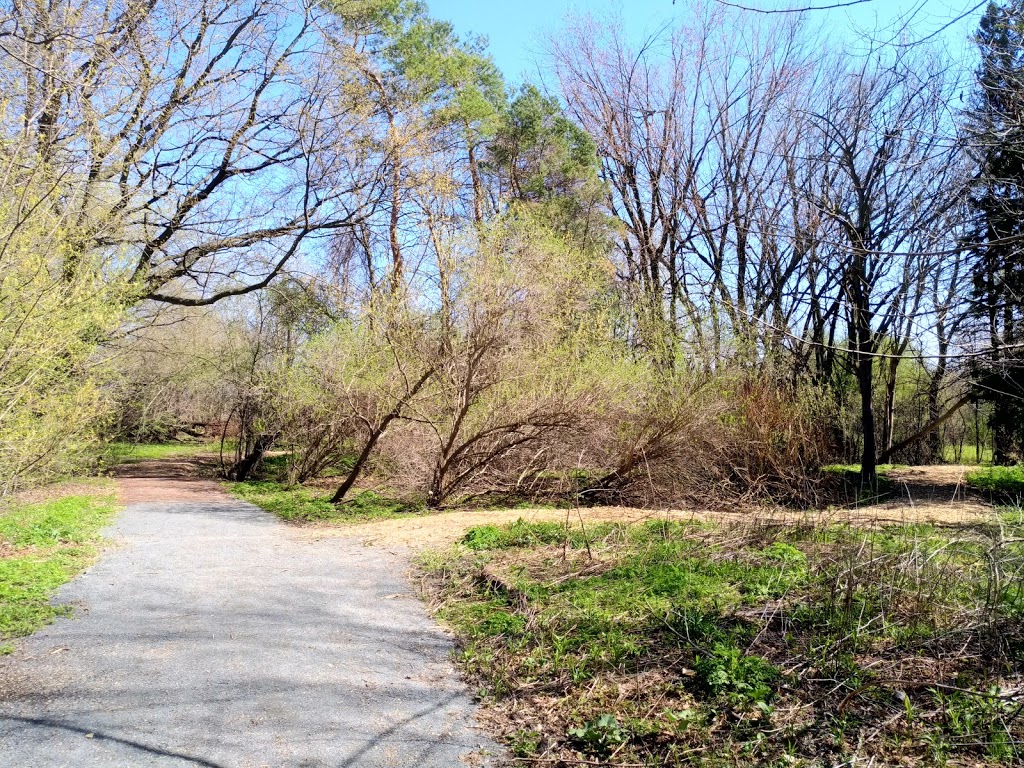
(45, 545)
(854, 469)
(1003, 481)
(689, 644)
(113, 454)
(309, 505)
(969, 455)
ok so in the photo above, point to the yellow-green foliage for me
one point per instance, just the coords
(56, 306)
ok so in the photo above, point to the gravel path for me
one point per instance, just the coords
(213, 636)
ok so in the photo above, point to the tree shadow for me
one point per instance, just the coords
(99, 736)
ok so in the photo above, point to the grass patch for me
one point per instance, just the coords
(675, 644)
(43, 546)
(113, 454)
(299, 504)
(968, 455)
(1005, 482)
(854, 469)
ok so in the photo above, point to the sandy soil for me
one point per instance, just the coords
(927, 495)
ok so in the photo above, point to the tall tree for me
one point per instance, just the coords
(198, 145)
(891, 177)
(438, 99)
(995, 135)
(700, 134)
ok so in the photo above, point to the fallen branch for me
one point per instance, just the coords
(926, 430)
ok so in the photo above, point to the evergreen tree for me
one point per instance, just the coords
(996, 139)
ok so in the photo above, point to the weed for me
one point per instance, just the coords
(728, 669)
(1005, 482)
(517, 534)
(368, 505)
(978, 723)
(599, 736)
(526, 743)
(501, 623)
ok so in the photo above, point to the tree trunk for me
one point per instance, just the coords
(929, 428)
(478, 187)
(1002, 433)
(934, 448)
(245, 466)
(435, 495)
(375, 435)
(357, 468)
(889, 422)
(868, 459)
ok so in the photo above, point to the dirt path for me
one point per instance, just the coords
(935, 494)
(168, 480)
(212, 636)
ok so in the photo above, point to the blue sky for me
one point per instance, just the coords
(514, 27)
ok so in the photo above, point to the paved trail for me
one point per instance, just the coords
(212, 636)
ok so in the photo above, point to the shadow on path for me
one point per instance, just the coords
(36, 722)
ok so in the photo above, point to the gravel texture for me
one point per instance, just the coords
(211, 635)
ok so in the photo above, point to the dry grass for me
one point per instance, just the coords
(445, 528)
(60, 490)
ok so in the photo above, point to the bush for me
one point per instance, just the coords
(674, 437)
(56, 307)
(1007, 482)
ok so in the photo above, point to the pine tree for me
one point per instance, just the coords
(996, 139)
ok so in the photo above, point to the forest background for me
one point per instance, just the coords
(705, 263)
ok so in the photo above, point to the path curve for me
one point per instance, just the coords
(211, 635)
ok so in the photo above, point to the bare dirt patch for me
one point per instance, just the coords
(174, 480)
(937, 494)
(442, 529)
(62, 490)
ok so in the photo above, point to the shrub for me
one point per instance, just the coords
(56, 306)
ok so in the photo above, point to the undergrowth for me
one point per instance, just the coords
(670, 644)
(42, 546)
(1006, 483)
(300, 504)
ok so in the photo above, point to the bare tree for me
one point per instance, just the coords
(701, 143)
(207, 141)
(891, 173)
